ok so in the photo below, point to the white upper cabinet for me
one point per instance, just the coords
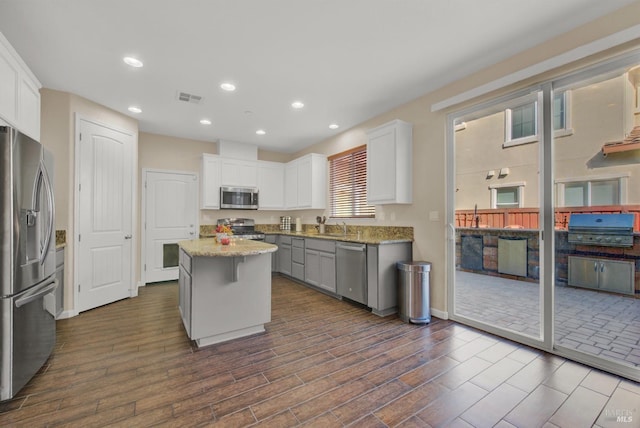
(306, 182)
(389, 164)
(271, 185)
(291, 185)
(238, 172)
(19, 92)
(210, 182)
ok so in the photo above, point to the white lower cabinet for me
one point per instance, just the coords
(320, 264)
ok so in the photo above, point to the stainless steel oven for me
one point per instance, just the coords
(239, 198)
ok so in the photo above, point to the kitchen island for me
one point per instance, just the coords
(225, 290)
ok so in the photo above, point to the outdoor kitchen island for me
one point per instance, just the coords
(225, 290)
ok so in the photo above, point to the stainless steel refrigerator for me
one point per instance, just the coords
(27, 260)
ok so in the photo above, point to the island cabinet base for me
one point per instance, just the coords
(227, 297)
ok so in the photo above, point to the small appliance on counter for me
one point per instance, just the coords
(285, 223)
(244, 228)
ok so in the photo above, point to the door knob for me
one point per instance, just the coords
(127, 236)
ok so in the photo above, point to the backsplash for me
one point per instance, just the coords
(367, 232)
(61, 237)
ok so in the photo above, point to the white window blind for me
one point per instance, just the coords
(348, 184)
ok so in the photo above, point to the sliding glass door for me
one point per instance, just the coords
(496, 231)
(521, 167)
(596, 167)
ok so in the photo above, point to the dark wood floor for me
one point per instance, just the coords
(322, 363)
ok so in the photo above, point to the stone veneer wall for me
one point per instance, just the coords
(488, 248)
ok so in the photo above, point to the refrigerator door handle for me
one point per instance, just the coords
(32, 295)
(44, 176)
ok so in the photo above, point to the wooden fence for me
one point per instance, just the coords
(527, 218)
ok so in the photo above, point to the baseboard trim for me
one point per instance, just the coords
(443, 315)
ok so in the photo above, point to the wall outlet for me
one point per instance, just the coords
(434, 216)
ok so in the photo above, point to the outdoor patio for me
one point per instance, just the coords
(594, 322)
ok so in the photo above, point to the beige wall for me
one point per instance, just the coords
(429, 142)
(58, 118)
(429, 160)
(599, 113)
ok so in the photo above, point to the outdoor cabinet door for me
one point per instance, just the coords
(617, 276)
(583, 272)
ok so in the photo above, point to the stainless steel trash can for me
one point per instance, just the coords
(413, 291)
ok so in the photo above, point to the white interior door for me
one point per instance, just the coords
(105, 215)
(170, 215)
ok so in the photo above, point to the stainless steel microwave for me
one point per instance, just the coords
(239, 198)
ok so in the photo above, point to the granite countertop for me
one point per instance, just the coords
(363, 238)
(208, 247)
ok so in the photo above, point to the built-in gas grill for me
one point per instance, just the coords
(244, 228)
(610, 230)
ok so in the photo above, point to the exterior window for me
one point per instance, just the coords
(348, 185)
(521, 122)
(592, 192)
(507, 195)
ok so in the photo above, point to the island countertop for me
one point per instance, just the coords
(208, 247)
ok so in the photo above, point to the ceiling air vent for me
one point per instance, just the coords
(189, 98)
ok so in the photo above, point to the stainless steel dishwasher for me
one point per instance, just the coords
(351, 266)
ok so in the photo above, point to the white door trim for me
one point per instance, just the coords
(76, 202)
(143, 214)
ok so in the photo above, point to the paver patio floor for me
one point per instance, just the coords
(594, 322)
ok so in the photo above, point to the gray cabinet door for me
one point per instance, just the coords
(327, 266)
(271, 239)
(184, 298)
(312, 265)
(284, 259)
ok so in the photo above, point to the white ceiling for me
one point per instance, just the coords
(347, 60)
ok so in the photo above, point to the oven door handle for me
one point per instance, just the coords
(36, 293)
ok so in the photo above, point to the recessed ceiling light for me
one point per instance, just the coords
(205, 121)
(334, 126)
(297, 104)
(133, 62)
(134, 109)
(261, 132)
(229, 87)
